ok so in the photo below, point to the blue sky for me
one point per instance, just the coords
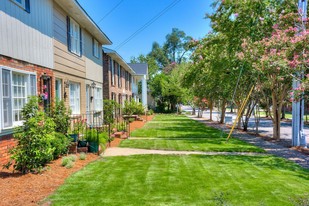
(131, 15)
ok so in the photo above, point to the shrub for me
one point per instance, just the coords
(65, 161)
(110, 107)
(73, 158)
(150, 112)
(82, 156)
(61, 117)
(34, 148)
(133, 107)
(69, 165)
(61, 144)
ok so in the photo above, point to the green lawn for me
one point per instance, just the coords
(185, 180)
(194, 136)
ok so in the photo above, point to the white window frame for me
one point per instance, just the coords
(28, 92)
(96, 51)
(98, 99)
(75, 37)
(57, 81)
(75, 100)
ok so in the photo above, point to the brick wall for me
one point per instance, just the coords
(7, 142)
(106, 77)
(107, 87)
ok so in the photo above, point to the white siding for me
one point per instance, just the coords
(27, 36)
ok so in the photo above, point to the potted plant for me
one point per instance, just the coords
(79, 126)
(92, 138)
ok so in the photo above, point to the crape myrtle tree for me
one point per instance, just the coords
(210, 72)
(278, 58)
(235, 21)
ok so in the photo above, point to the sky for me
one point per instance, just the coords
(122, 18)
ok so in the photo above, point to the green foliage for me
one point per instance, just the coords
(133, 108)
(65, 161)
(73, 158)
(68, 161)
(150, 112)
(110, 107)
(82, 156)
(38, 143)
(69, 165)
(34, 147)
(61, 117)
(61, 144)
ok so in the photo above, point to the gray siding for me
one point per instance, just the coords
(27, 36)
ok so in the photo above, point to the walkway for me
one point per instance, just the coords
(271, 148)
(118, 151)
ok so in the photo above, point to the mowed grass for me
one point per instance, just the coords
(178, 132)
(185, 180)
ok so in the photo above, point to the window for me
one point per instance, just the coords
(96, 51)
(74, 37)
(119, 77)
(75, 98)
(15, 89)
(24, 4)
(58, 89)
(112, 71)
(98, 100)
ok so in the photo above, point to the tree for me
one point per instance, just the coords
(278, 58)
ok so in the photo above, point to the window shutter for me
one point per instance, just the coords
(69, 33)
(27, 6)
(93, 52)
(80, 41)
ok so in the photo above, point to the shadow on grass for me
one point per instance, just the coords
(266, 162)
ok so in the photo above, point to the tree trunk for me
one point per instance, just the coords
(283, 112)
(223, 109)
(193, 111)
(276, 116)
(210, 110)
(249, 111)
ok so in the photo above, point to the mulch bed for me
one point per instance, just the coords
(32, 189)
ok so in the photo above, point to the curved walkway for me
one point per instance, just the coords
(118, 151)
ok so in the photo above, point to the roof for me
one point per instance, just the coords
(76, 11)
(139, 68)
(118, 58)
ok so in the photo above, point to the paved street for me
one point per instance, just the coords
(265, 125)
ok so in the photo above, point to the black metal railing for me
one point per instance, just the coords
(91, 126)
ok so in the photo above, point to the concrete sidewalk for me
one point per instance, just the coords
(118, 151)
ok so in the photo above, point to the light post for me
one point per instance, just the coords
(298, 135)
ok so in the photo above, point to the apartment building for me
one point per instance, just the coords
(78, 65)
(51, 49)
(117, 77)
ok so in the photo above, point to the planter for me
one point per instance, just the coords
(74, 137)
(93, 147)
(82, 143)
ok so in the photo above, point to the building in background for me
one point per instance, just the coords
(141, 75)
(117, 76)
